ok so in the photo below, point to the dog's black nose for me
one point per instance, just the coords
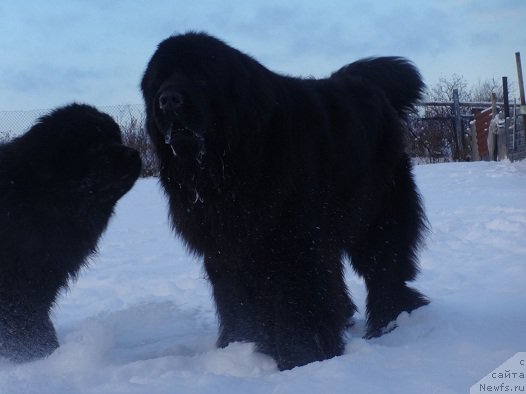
(170, 100)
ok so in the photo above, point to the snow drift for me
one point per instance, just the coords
(140, 319)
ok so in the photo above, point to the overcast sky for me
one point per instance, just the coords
(56, 51)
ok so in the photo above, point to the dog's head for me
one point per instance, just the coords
(200, 92)
(77, 149)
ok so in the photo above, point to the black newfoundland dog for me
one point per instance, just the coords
(59, 183)
(275, 179)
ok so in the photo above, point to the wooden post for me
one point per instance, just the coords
(493, 104)
(458, 124)
(507, 121)
(521, 88)
(494, 147)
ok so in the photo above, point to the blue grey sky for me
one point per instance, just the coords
(95, 51)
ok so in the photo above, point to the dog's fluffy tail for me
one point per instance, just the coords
(396, 76)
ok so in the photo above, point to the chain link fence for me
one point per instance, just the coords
(15, 123)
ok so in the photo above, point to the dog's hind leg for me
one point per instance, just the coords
(386, 255)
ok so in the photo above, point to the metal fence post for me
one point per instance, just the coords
(458, 123)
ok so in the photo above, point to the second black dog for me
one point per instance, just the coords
(59, 183)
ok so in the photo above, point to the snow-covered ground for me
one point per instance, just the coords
(140, 319)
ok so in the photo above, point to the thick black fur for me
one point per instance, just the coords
(59, 183)
(275, 179)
